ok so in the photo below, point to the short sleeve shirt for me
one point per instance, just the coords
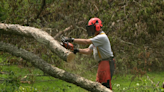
(101, 47)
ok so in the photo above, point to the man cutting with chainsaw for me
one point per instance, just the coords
(101, 48)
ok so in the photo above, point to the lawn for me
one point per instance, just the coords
(40, 82)
(151, 82)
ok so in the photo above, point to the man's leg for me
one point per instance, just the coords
(104, 74)
(112, 67)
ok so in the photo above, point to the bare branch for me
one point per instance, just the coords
(39, 35)
(53, 71)
(61, 32)
(41, 9)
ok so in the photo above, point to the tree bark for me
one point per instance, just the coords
(40, 36)
(53, 71)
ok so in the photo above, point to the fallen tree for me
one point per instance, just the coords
(39, 35)
(51, 70)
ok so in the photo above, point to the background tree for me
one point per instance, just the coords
(134, 28)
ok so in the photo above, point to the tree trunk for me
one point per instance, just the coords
(53, 71)
(40, 36)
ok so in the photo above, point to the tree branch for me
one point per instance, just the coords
(53, 71)
(41, 9)
(65, 30)
(40, 36)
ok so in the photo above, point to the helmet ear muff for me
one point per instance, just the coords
(97, 26)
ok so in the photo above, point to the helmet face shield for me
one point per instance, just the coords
(90, 30)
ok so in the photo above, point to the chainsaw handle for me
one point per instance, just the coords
(67, 39)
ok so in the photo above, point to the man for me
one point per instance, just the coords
(101, 48)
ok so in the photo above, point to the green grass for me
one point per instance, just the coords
(147, 83)
(41, 83)
(56, 85)
(120, 83)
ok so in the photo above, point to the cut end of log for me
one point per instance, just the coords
(70, 57)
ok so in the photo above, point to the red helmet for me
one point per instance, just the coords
(96, 22)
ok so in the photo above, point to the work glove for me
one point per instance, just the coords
(75, 51)
(67, 39)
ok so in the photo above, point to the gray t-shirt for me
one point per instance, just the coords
(102, 44)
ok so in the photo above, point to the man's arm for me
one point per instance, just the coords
(85, 51)
(82, 41)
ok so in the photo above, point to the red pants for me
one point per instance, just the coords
(105, 72)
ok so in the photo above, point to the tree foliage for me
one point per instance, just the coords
(134, 27)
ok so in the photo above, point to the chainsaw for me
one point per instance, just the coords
(67, 45)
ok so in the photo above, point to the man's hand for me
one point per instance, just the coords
(75, 51)
(67, 39)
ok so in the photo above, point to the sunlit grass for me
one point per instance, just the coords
(151, 82)
(120, 83)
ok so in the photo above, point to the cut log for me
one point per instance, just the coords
(41, 36)
(53, 71)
